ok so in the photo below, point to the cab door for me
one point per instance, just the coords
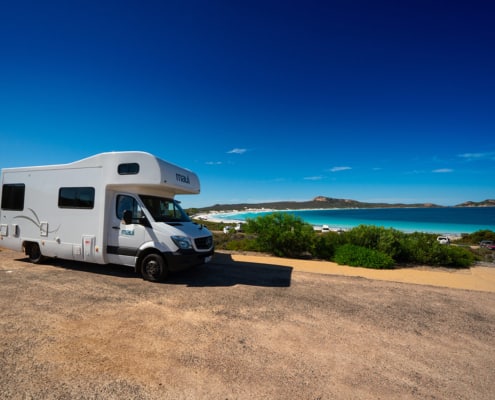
(126, 233)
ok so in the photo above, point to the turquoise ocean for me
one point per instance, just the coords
(447, 220)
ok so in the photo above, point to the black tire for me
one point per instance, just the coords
(34, 253)
(154, 268)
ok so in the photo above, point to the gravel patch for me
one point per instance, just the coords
(237, 330)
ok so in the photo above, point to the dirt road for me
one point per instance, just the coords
(237, 329)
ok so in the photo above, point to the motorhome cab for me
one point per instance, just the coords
(114, 208)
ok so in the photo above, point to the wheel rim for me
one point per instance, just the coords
(152, 268)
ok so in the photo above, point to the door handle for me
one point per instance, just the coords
(115, 227)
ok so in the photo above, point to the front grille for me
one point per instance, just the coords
(204, 243)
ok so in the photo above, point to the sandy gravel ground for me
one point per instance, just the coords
(476, 278)
(243, 328)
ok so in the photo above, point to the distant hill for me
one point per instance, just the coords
(317, 203)
(484, 203)
(320, 202)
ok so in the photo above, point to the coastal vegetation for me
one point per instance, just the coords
(286, 235)
(358, 256)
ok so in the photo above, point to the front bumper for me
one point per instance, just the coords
(180, 261)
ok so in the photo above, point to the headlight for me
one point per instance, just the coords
(182, 242)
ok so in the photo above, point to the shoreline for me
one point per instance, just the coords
(228, 217)
(207, 217)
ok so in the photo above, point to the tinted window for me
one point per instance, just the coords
(13, 196)
(76, 197)
(164, 210)
(128, 169)
(128, 203)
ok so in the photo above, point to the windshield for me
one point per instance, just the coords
(164, 210)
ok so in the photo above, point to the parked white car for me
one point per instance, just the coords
(443, 240)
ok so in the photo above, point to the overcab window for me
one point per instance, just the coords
(76, 197)
(13, 196)
(128, 169)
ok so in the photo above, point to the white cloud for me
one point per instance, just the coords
(478, 156)
(442, 170)
(213, 163)
(338, 169)
(237, 151)
(313, 178)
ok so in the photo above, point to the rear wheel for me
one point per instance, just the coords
(34, 253)
(154, 268)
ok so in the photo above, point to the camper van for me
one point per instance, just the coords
(116, 208)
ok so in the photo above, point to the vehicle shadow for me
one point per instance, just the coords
(224, 271)
(73, 265)
(221, 271)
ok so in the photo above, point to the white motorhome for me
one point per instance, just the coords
(114, 208)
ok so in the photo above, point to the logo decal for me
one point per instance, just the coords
(182, 178)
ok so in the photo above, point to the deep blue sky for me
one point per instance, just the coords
(266, 100)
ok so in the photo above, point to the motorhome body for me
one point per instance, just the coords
(114, 208)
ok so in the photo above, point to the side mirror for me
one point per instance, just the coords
(127, 217)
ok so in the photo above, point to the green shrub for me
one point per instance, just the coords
(451, 256)
(391, 242)
(242, 244)
(234, 241)
(478, 236)
(417, 248)
(423, 248)
(386, 240)
(286, 235)
(358, 256)
(364, 235)
(325, 244)
(282, 234)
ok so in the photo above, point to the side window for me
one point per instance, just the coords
(128, 169)
(128, 203)
(172, 211)
(13, 196)
(76, 197)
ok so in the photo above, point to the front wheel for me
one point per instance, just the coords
(154, 268)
